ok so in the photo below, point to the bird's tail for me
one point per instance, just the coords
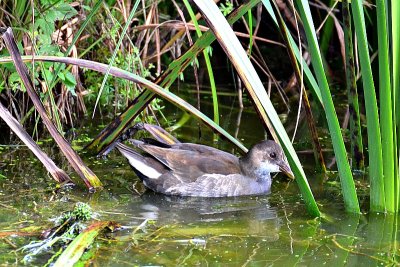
(143, 166)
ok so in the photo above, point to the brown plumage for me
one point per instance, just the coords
(187, 169)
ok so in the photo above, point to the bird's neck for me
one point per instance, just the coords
(258, 174)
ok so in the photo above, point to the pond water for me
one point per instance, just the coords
(272, 230)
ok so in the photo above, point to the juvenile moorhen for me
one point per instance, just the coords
(186, 169)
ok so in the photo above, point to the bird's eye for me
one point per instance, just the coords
(272, 155)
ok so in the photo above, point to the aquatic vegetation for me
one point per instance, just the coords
(69, 238)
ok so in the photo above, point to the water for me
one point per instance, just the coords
(272, 230)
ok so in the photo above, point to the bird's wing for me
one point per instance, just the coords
(189, 163)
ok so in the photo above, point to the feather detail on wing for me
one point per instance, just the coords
(149, 167)
(190, 161)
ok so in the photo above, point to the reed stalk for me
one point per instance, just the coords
(395, 44)
(346, 177)
(377, 197)
(386, 116)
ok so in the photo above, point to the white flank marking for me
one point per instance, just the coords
(143, 168)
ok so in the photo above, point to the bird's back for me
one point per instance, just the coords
(187, 162)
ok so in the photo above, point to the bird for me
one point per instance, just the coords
(194, 170)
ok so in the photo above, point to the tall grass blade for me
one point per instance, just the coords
(250, 22)
(248, 74)
(395, 24)
(377, 201)
(386, 116)
(346, 177)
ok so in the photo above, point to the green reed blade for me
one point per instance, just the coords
(250, 22)
(385, 100)
(346, 177)
(377, 201)
(395, 24)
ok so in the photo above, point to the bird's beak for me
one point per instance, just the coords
(285, 168)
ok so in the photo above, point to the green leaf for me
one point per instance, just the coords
(51, 15)
(14, 78)
(48, 74)
(70, 83)
(48, 49)
(70, 79)
(65, 11)
(47, 28)
(61, 75)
